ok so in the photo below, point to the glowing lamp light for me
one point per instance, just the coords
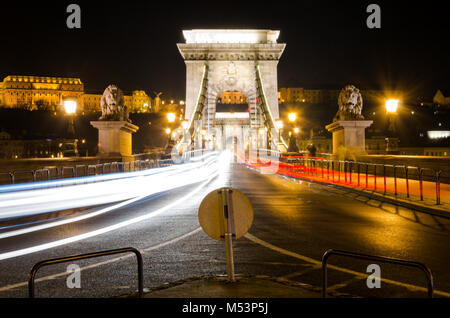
(70, 106)
(168, 130)
(184, 124)
(279, 124)
(181, 102)
(391, 105)
(437, 134)
(292, 117)
(203, 132)
(296, 130)
(171, 117)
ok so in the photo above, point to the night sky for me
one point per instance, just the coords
(133, 43)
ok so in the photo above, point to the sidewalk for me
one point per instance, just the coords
(398, 192)
(243, 287)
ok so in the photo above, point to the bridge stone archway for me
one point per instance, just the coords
(219, 61)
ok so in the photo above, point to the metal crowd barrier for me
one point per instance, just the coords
(48, 262)
(328, 253)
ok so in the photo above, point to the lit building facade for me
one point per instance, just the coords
(36, 92)
(48, 93)
(232, 98)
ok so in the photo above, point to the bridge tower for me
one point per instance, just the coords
(231, 60)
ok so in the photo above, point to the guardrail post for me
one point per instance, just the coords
(407, 182)
(345, 171)
(395, 179)
(350, 169)
(359, 168)
(438, 187)
(421, 183)
(367, 175)
(332, 170)
(375, 177)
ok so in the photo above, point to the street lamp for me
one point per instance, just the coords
(171, 117)
(70, 107)
(292, 117)
(391, 105)
(184, 124)
(391, 110)
(296, 130)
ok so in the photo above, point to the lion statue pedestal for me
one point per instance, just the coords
(348, 127)
(114, 128)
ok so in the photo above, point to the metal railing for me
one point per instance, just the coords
(371, 176)
(48, 262)
(382, 259)
(61, 172)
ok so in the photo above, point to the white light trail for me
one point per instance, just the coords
(205, 172)
(110, 190)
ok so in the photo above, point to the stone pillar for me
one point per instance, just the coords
(349, 137)
(115, 138)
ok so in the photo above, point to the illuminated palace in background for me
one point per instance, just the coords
(47, 93)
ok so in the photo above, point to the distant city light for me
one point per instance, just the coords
(184, 124)
(391, 105)
(168, 130)
(70, 106)
(437, 134)
(181, 102)
(296, 130)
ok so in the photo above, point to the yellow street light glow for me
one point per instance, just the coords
(184, 124)
(296, 130)
(279, 124)
(171, 117)
(292, 117)
(168, 130)
(391, 105)
(181, 102)
(70, 106)
(203, 132)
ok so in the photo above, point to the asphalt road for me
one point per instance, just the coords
(294, 224)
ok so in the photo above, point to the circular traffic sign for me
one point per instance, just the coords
(221, 204)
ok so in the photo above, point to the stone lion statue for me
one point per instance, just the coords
(112, 104)
(350, 104)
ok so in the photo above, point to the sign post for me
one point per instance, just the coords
(225, 214)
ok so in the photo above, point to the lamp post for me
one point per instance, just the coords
(70, 107)
(391, 111)
(293, 141)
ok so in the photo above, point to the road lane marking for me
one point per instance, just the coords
(116, 259)
(411, 287)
